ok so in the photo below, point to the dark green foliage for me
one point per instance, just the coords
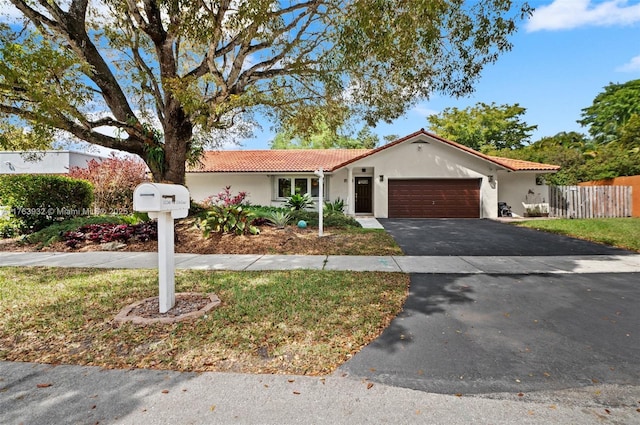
(484, 127)
(611, 110)
(299, 202)
(9, 227)
(228, 219)
(579, 158)
(330, 220)
(36, 201)
(335, 207)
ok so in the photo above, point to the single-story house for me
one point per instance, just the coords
(43, 162)
(421, 175)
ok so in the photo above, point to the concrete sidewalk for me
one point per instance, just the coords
(400, 264)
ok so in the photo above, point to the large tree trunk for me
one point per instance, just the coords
(178, 131)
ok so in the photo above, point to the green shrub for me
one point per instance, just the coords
(299, 202)
(36, 201)
(335, 207)
(329, 220)
(229, 219)
(9, 227)
(340, 221)
(278, 218)
(263, 211)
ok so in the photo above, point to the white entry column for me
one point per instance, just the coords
(351, 198)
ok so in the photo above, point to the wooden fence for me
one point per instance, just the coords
(590, 201)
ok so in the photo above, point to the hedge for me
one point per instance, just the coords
(36, 201)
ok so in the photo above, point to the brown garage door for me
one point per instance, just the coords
(434, 198)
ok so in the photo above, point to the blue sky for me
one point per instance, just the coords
(562, 58)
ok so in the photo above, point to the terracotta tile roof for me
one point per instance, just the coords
(275, 161)
(520, 165)
(309, 160)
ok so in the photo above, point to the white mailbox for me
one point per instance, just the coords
(164, 202)
(159, 197)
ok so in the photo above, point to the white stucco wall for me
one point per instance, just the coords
(516, 188)
(409, 160)
(203, 185)
(48, 162)
(261, 187)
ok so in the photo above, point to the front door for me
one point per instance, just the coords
(364, 193)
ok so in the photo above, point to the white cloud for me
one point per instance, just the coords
(423, 111)
(632, 66)
(569, 14)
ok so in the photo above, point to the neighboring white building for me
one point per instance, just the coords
(420, 175)
(43, 162)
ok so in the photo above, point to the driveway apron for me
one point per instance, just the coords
(487, 333)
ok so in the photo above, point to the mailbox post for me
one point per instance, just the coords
(165, 202)
(320, 174)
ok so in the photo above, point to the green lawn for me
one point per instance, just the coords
(297, 322)
(620, 232)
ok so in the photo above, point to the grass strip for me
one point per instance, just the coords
(619, 232)
(292, 322)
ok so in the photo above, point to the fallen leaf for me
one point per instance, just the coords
(458, 394)
(608, 411)
(530, 412)
(165, 391)
(213, 407)
(546, 374)
(44, 385)
(369, 385)
(291, 381)
(595, 381)
(553, 406)
(296, 392)
(520, 394)
(421, 372)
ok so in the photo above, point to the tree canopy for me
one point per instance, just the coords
(611, 111)
(326, 138)
(158, 78)
(484, 127)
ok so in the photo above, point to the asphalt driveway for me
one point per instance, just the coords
(446, 237)
(494, 333)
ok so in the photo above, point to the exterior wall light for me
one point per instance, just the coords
(381, 177)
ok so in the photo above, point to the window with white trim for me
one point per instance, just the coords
(287, 186)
